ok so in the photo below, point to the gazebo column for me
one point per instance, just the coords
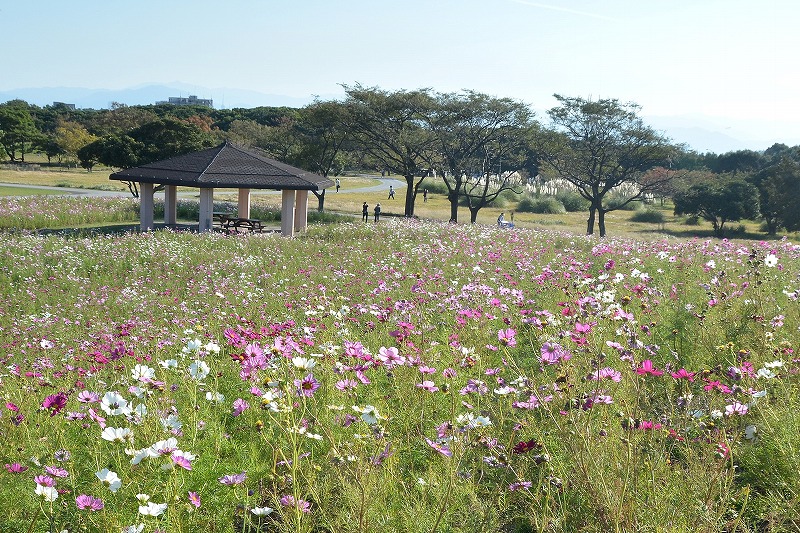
(243, 210)
(287, 212)
(206, 208)
(301, 211)
(146, 206)
(171, 204)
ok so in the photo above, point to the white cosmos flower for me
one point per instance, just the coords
(261, 511)
(211, 347)
(303, 363)
(369, 413)
(142, 372)
(152, 509)
(771, 260)
(116, 434)
(192, 346)
(215, 397)
(171, 422)
(199, 370)
(48, 493)
(110, 478)
(133, 529)
(169, 363)
(114, 404)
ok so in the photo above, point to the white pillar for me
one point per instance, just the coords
(206, 208)
(171, 204)
(301, 211)
(243, 210)
(287, 213)
(146, 206)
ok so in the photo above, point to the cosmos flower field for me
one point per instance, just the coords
(401, 376)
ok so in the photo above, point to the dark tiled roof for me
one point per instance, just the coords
(225, 166)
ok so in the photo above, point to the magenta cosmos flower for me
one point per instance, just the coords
(194, 499)
(306, 386)
(55, 403)
(648, 368)
(85, 501)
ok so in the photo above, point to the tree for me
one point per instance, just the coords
(165, 138)
(17, 129)
(116, 151)
(71, 137)
(731, 199)
(473, 134)
(321, 132)
(390, 127)
(120, 119)
(599, 146)
(779, 195)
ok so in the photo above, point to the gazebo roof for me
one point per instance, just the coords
(225, 166)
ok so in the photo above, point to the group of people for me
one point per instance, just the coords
(501, 221)
(365, 212)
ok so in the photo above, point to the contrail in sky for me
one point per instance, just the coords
(564, 9)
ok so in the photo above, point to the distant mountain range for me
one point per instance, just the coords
(701, 134)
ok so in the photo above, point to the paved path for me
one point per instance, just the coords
(383, 185)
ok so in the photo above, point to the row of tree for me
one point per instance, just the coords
(479, 145)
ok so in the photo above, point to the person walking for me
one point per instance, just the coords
(365, 212)
(337, 184)
(424, 195)
(391, 193)
(377, 212)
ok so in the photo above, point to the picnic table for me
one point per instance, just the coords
(243, 224)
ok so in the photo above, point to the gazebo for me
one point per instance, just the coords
(224, 166)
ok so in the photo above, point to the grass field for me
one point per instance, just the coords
(401, 376)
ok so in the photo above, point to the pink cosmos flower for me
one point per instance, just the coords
(44, 481)
(507, 337)
(441, 448)
(427, 369)
(648, 368)
(180, 459)
(56, 471)
(346, 384)
(85, 501)
(606, 373)
(233, 479)
(194, 499)
(552, 353)
(302, 505)
(239, 406)
(15, 468)
(428, 385)
(88, 397)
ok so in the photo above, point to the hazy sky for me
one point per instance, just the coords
(730, 60)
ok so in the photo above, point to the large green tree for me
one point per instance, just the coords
(599, 146)
(390, 127)
(779, 195)
(18, 131)
(474, 134)
(725, 200)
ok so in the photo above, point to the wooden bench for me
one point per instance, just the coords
(242, 224)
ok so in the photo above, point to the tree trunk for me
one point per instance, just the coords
(453, 198)
(409, 209)
(473, 215)
(320, 200)
(590, 221)
(601, 222)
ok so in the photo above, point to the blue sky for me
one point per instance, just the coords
(731, 63)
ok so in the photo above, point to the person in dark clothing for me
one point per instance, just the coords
(377, 212)
(365, 212)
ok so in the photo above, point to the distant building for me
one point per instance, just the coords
(188, 100)
(62, 104)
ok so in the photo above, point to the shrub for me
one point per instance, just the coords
(573, 201)
(653, 216)
(547, 205)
